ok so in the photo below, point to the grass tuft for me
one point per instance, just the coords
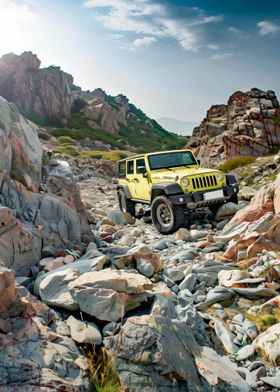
(234, 163)
(102, 371)
(264, 318)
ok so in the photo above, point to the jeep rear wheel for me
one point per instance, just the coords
(167, 217)
(126, 205)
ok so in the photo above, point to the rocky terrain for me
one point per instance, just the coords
(248, 125)
(92, 298)
(193, 311)
(48, 97)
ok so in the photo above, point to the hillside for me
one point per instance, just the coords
(48, 97)
(249, 124)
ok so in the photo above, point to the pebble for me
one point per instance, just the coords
(146, 268)
(189, 282)
(245, 352)
(160, 245)
(189, 255)
(258, 373)
(175, 274)
(238, 319)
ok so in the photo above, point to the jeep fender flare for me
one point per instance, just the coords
(126, 190)
(166, 188)
(231, 179)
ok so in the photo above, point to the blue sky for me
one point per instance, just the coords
(171, 58)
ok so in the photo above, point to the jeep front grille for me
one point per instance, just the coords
(204, 182)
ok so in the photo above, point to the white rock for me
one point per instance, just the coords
(245, 352)
(84, 332)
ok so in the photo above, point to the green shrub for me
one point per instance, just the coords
(66, 140)
(69, 150)
(78, 105)
(234, 163)
(275, 119)
(36, 119)
(77, 121)
(92, 134)
(53, 121)
(113, 155)
(44, 135)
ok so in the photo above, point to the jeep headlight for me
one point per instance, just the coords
(185, 182)
(220, 176)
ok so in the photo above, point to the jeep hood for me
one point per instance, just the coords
(177, 173)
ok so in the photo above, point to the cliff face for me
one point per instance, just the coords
(35, 218)
(248, 125)
(45, 95)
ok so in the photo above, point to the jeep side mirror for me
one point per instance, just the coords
(142, 170)
(198, 161)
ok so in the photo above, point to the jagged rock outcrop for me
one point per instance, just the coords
(102, 115)
(32, 222)
(44, 94)
(33, 356)
(248, 125)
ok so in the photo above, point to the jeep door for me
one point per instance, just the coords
(141, 184)
(130, 176)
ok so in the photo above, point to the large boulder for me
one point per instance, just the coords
(20, 244)
(108, 294)
(20, 148)
(155, 353)
(268, 343)
(254, 228)
(54, 219)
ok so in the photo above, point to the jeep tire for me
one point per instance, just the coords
(167, 217)
(126, 205)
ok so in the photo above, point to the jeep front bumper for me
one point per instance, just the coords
(199, 199)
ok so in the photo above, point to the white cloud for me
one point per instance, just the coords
(234, 30)
(213, 47)
(153, 20)
(144, 41)
(207, 19)
(221, 56)
(268, 28)
(115, 36)
(12, 11)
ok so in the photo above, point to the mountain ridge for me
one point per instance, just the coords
(49, 97)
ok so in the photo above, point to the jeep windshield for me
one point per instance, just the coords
(171, 159)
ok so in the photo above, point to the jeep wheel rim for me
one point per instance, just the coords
(164, 215)
(123, 202)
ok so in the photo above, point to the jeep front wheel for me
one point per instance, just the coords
(126, 205)
(167, 217)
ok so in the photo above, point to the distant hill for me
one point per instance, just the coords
(178, 126)
(48, 97)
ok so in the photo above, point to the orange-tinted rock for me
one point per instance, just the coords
(259, 206)
(151, 257)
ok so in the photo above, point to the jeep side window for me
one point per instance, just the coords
(122, 171)
(140, 163)
(130, 167)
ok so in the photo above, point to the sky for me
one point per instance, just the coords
(170, 58)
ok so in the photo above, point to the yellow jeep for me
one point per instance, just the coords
(171, 182)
